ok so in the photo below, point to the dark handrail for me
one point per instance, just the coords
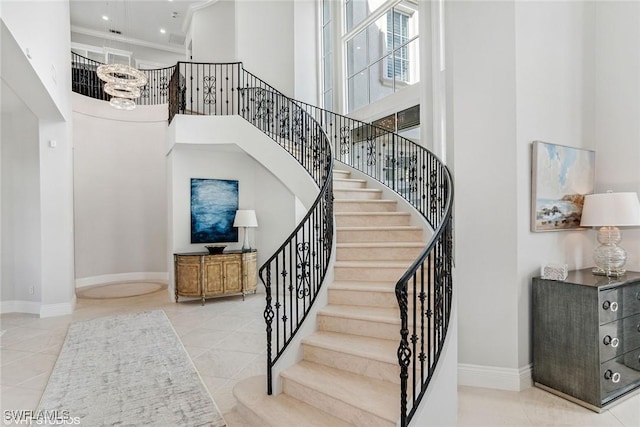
(294, 274)
(424, 181)
(85, 81)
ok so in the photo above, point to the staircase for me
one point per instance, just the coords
(349, 374)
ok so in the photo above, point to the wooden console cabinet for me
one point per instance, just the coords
(203, 275)
(586, 337)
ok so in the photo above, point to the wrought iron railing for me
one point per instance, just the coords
(425, 291)
(85, 81)
(294, 274)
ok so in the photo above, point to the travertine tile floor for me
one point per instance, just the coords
(225, 339)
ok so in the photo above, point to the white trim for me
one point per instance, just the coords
(31, 307)
(62, 309)
(138, 42)
(194, 8)
(495, 377)
(122, 277)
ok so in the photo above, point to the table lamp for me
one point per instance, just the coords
(610, 211)
(245, 219)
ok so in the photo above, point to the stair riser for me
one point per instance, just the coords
(357, 195)
(366, 299)
(335, 407)
(391, 274)
(251, 417)
(373, 235)
(371, 220)
(389, 331)
(377, 254)
(340, 184)
(352, 363)
(341, 174)
(354, 206)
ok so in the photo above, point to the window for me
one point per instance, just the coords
(397, 35)
(383, 57)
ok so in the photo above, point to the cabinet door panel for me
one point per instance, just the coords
(232, 276)
(213, 278)
(188, 278)
(250, 272)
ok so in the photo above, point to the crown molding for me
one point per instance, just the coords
(137, 42)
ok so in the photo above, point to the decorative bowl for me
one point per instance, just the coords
(215, 249)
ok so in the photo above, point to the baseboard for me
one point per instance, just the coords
(162, 277)
(494, 377)
(42, 310)
(62, 309)
(30, 307)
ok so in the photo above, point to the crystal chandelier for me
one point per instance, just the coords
(123, 83)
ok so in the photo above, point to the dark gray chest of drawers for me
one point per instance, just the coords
(586, 337)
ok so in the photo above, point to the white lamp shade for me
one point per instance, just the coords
(610, 209)
(245, 218)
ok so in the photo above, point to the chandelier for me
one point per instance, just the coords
(123, 83)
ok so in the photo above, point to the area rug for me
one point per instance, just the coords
(128, 370)
(119, 290)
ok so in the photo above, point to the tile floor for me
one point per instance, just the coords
(225, 339)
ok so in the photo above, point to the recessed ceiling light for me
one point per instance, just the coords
(105, 17)
(162, 30)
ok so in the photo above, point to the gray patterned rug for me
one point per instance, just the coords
(128, 370)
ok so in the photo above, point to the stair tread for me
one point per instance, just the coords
(281, 410)
(367, 347)
(371, 395)
(364, 286)
(364, 201)
(359, 190)
(372, 314)
(350, 180)
(373, 264)
(380, 245)
(373, 213)
(381, 227)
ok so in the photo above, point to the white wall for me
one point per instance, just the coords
(617, 107)
(484, 167)
(36, 66)
(120, 191)
(212, 33)
(265, 34)
(306, 51)
(20, 196)
(230, 148)
(561, 72)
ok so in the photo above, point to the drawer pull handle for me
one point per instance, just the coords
(613, 341)
(610, 305)
(613, 376)
(614, 306)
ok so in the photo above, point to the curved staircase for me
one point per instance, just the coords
(349, 372)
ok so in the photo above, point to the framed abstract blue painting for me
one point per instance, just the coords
(214, 203)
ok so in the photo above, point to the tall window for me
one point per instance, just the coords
(382, 49)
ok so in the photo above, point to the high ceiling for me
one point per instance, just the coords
(139, 21)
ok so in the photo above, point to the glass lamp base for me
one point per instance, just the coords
(597, 271)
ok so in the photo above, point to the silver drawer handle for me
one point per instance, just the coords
(610, 305)
(613, 376)
(614, 306)
(613, 341)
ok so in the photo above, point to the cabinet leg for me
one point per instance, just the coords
(202, 300)
(176, 298)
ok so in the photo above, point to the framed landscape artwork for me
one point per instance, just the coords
(560, 178)
(214, 203)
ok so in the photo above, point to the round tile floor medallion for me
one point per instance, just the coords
(119, 290)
